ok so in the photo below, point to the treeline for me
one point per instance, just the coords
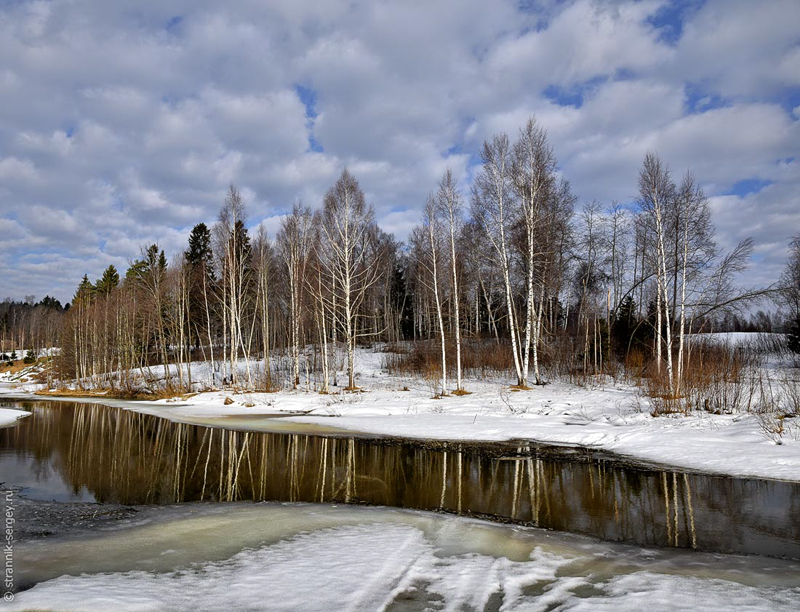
(29, 325)
(514, 263)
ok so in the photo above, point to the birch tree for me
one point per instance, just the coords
(233, 246)
(348, 243)
(656, 191)
(533, 176)
(449, 204)
(294, 241)
(493, 208)
(263, 269)
(427, 244)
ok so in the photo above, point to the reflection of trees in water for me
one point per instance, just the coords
(132, 458)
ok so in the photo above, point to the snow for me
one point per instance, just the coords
(309, 557)
(9, 415)
(605, 416)
(733, 338)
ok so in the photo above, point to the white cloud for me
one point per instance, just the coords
(122, 131)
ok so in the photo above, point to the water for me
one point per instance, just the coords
(72, 451)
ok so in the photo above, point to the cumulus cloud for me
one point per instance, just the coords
(123, 123)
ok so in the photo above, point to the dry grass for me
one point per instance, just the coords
(479, 358)
(15, 367)
(717, 377)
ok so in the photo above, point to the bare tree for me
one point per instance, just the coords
(427, 243)
(234, 255)
(493, 209)
(533, 175)
(263, 268)
(656, 192)
(449, 204)
(294, 242)
(348, 233)
(790, 278)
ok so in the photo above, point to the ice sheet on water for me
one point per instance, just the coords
(361, 567)
(653, 592)
(9, 415)
(404, 560)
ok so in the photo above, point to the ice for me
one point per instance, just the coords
(310, 557)
(9, 416)
(645, 590)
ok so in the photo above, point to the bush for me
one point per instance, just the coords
(717, 377)
(29, 357)
(423, 358)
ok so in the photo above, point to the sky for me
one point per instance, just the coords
(123, 123)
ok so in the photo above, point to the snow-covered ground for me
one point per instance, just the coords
(9, 415)
(609, 416)
(309, 557)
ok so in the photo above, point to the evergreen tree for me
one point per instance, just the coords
(199, 251)
(136, 270)
(198, 258)
(106, 284)
(793, 335)
(84, 292)
(625, 324)
(153, 265)
(29, 357)
(243, 252)
(50, 303)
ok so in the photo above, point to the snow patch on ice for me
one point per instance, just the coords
(370, 566)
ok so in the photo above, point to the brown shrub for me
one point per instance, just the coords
(479, 358)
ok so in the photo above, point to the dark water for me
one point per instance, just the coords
(71, 451)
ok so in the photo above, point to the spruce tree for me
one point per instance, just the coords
(84, 292)
(199, 251)
(198, 258)
(243, 252)
(793, 335)
(106, 284)
(50, 303)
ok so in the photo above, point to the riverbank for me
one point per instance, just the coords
(609, 419)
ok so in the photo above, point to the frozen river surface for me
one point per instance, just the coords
(319, 557)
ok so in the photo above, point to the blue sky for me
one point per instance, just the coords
(124, 122)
